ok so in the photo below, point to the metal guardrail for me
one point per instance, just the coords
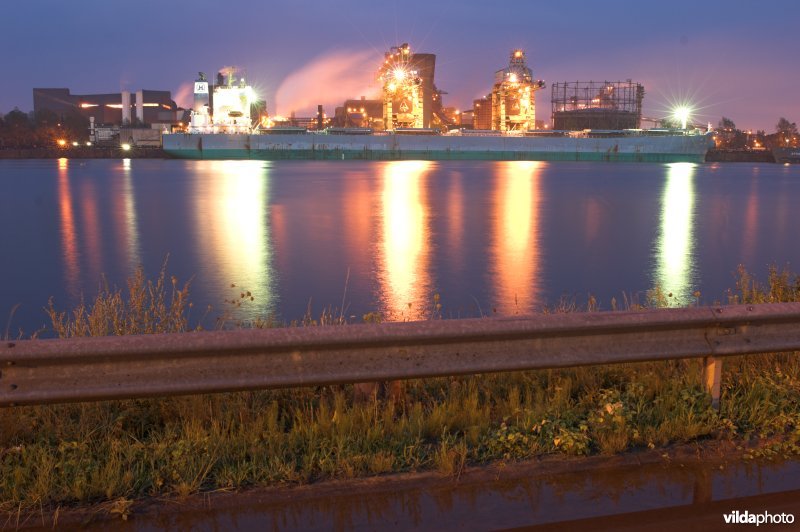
(86, 369)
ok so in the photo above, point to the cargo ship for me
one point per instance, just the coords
(786, 155)
(662, 146)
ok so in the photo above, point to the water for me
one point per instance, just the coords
(667, 495)
(358, 237)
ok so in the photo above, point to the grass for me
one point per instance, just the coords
(114, 452)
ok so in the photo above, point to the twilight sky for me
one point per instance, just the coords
(736, 58)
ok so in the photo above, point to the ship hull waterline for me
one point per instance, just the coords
(662, 149)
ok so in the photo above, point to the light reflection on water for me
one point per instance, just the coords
(125, 217)
(232, 228)
(674, 274)
(387, 236)
(69, 239)
(404, 240)
(515, 247)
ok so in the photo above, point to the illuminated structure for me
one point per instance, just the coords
(229, 102)
(360, 113)
(513, 96)
(408, 91)
(604, 105)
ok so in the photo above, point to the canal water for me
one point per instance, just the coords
(396, 238)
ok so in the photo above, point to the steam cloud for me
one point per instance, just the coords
(184, 95)
(330, 79)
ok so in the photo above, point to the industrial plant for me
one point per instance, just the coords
(409, 100)
(582, 105)
(591, 120)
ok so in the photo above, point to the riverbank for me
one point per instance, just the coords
(740, 156)
(84, 152)
(115, 453)
(114, 152)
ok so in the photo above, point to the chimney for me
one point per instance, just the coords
(140, 106)
(126, 108)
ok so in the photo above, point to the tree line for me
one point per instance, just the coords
(730, 137)
(41, 129)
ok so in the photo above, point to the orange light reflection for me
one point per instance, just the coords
(750, 224)
(516, 253)
(91, 224)
(69, 240)
(404, 250)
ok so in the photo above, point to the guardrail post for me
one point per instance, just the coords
(712, 377)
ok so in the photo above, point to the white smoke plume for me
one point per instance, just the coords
(184, 95)
(329, 79)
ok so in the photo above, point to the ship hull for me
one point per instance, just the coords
(786, 155)
(643, 148)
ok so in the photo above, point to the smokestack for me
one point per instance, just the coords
(140, 106)
(126, 108)
(320, 114)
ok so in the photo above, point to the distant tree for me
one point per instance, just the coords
(726, 124)
(75, 125)
(17, 118)
(45, 117)
(17, 130)
(787, 131)
(670, 122)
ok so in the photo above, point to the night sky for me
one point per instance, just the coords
(732, 58)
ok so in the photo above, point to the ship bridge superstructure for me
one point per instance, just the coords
(224, 107)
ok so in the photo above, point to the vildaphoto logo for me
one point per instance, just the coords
(765, 518)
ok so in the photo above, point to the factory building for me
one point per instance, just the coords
(121, 108)
(407, 88)
(608, 105)
(513, 96)
(482, 113)
(360, 113)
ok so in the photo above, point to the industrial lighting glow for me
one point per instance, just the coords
(682, 113)
(74, 142)
(62, 142)
(126, 147)
(400, 74)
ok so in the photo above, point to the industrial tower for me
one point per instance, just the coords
(402, 90)
(513, 98)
